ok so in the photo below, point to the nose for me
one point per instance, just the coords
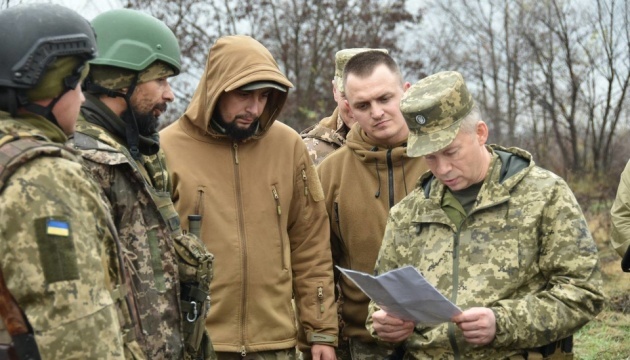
(442, 167)
(377, 112)
(81, 95)
(256, 105)
(168, 94)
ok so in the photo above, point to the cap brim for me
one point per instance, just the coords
(263, 85)
(425, 144)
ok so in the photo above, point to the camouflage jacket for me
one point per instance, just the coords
(147, 224)
(325, 137)
(620, 214)
(53, 229)
(524, 250)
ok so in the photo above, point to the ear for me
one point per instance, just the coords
(482, 132)
(406, 86)
(336, 93)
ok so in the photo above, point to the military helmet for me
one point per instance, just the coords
(133, 40)
(33, 36)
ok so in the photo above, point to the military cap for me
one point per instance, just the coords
(341, 59)
(263, 84)
(434, 108)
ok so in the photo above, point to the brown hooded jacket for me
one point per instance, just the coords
(262, 211)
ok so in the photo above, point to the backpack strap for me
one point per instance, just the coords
(18, 148)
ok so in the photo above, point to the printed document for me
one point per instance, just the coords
(405, 294)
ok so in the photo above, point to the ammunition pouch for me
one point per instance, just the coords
(195, 273)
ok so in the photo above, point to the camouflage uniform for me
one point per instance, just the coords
(147, 225)
(325, 137)
(53, 233)
(523, 249)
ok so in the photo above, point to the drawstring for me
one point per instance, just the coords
(378, 174)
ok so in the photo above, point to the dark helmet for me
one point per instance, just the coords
(34, 35)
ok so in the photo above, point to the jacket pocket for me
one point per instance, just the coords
(276, 196)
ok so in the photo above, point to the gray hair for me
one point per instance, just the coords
(469, 123)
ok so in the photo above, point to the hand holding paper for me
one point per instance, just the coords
(406, 294)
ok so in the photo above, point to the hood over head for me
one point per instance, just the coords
(233, 62)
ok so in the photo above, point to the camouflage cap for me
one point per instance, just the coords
(341, 59)
(115, 78)
(433, 109)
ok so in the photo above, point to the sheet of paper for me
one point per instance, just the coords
(406, 294)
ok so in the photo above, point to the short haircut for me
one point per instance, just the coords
(469, 123)
(363, 65)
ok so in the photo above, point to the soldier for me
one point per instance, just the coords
(330, 133)
(261, 201)
(375, 152)
(127, 90)
(505, 240)
(620, 216)
(53, 227)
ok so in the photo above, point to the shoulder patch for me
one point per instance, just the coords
(57, 253)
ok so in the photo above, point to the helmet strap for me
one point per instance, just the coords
(132, 133)
(46, 111)
(8, 100)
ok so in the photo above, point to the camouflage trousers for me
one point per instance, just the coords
(287, 354)
(353, 349)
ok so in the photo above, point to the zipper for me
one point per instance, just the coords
(390, 177)
(241, 229)
(320, 298)
(274, 192)
(199, 204)
(305, 179)
(243, 351)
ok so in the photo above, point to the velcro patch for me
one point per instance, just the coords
(57, 252)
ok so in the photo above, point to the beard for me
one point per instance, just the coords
(147, 122)
(233, 131)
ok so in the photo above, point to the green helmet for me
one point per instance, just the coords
(133, 40)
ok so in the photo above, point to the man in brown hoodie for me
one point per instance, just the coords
(375, 153)
(263, 216)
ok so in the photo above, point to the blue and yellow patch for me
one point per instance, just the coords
(57, 228)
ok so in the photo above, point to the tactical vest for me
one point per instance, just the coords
(18, 148)
(193, 260)
(194, 265)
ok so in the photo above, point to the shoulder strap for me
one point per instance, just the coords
(18, 148)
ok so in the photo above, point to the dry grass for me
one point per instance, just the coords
(607, 336)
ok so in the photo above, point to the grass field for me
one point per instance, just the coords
(608, 336)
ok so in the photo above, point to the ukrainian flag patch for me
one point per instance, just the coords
(57, 228)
